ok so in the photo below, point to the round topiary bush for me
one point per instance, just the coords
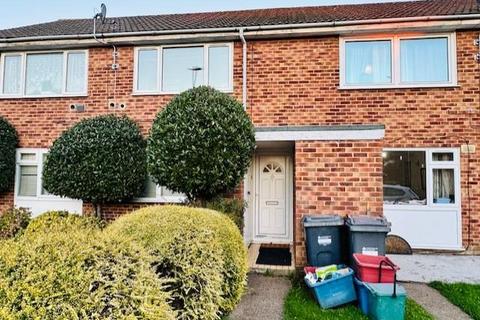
(198, 252)
(8, 145)
(201, 144)
(98, 160)
(65, 268)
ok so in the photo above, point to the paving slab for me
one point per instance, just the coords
(446, 268)
(432, 301)
(263, 300)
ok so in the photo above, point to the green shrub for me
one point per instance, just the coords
(62, 221)
(233, 208)
(98, 160)
(198, 252)
(234, 258)
(8, 145)
(201, 144)
(13, 221)
(73, 271)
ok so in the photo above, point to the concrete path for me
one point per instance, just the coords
(263, 300)
(432, 301)
(446, 268)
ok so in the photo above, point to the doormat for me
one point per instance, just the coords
(274, 256)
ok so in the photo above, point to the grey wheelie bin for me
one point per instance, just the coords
(323, 239)
(366, 235)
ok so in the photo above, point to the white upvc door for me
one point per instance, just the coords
(272, 218)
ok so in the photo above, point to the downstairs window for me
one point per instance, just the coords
(421, 177)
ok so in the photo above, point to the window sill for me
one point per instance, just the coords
(43, 198)
(403, 86)
(425, 207)
(160, 200)
(76, 95)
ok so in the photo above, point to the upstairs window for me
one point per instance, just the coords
(398, 61)
(368, 62)
(173, 69)
(45, 74)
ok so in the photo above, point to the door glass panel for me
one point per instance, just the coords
(404, 177)
(443, 186)
(28, 181)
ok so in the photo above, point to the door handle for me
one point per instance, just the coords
(271, 203)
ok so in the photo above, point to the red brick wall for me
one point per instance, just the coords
(294, 82)
(336, 178)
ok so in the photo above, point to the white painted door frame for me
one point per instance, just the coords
(257, 237)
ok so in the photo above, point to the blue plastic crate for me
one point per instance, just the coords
(383, 305)
(362, 295)
(334, 292)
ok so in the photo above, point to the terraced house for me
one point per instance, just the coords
(359, 109)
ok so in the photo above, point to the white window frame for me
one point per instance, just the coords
(38, 162)
(430, 165)
(159, 198)
(23, 76)
(396, 79)
(159, 49)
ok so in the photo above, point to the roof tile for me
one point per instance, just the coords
(245, 18)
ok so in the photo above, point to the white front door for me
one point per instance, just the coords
(272, 198)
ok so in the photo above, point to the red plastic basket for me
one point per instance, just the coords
(374, 269)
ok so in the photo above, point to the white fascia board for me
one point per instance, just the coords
(321, 134)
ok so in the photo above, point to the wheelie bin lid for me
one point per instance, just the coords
(325, 220)
(368, 223)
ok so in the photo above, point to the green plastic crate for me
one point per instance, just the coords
(382, 304)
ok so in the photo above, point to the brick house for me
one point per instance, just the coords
(359, 109)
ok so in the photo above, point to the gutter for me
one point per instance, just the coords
(244, 68)
(250, 28)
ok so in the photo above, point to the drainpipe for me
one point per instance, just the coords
(244, 68)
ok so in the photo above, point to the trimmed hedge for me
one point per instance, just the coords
(8, 144)
(12, 222)
(64, 267)
(98, 160)
(199, 252)
(201, 144)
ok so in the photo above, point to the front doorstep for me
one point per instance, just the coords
(253, 251)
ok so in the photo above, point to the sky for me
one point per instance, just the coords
(16, 13)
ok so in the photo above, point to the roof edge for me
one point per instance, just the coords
(335, 23)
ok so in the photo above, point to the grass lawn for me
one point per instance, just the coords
(300, 305)
(465, 296)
